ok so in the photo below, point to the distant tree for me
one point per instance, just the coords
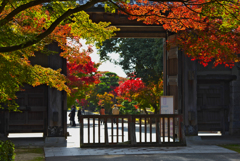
(143, 57)
(146, 96)
(106, 100)
(81, 75)
(109, 81)
(92, 99)
(127, 107)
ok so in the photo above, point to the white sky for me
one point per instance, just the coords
(106, 66)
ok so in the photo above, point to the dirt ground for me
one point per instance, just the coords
(29, 154)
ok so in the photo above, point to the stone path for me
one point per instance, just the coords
(65, 151)
(73, 149)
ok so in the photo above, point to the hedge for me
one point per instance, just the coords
(7, 151)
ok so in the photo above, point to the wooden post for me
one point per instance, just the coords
(145, 129)
(88, 130)
(174, 129)
(112, 127)
(123, 130)
(81, 131)
(140, 129)
(150, 129)
(117, 128)
(99, 129)
(163, 129)
(106, 130)
(158, 134)
(93, 130)
(168, 129)
(131, 127)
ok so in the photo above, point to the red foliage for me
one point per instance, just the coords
(81, 71)
(83, 102)
(129, 87)
(202, 33)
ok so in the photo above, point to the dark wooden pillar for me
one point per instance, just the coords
(189, 83)
(56, 99)
(234, 119)
(172, 74)
(2, 124)
(64, 100)
(180, 81)
(164, 67)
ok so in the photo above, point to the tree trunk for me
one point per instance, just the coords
(145, 111)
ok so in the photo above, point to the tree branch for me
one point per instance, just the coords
(163, 16)
(227, 10)
(50, 29)
(4, 3)
(22, 8)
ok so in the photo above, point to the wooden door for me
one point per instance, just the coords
(212, 108)
(33, 106)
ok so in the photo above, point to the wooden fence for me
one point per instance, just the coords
(131, 130)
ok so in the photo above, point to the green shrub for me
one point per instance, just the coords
(128, 108)
(7, 151)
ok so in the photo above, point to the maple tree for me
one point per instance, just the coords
(145, 95)
(208, 30)
(81, 75)
(175, 15)
(83, 102)
(106, 100)
(27, 27)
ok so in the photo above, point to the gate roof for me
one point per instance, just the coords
(128, 28)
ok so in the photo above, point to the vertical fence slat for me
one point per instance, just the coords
(163, 129)
(150, 129)
(88, 131)
(99, 130)
(117, 129)
(81, 131)
(169, 129)
(179, 127)
(93, 130)
(129, 128)
(158, 131)
(140, 129)
(106, 131)
(112, 128)
(145, 130)
(160, 128)
(156, 128)
(123, 130)
(173, 128)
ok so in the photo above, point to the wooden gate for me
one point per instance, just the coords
(33, 115)
(131, 130)
(212, 107)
